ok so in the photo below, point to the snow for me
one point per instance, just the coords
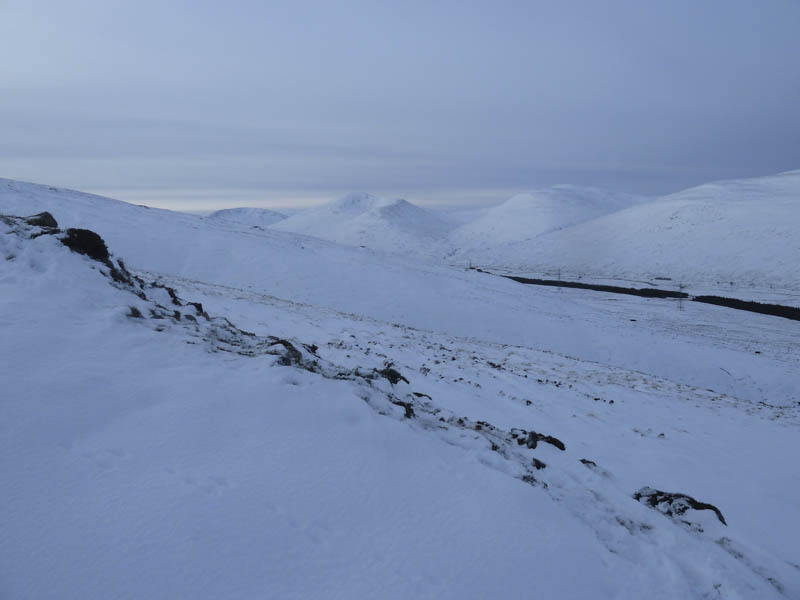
(162, 458)
(732, 238)
(258, 218)
(360, 219)
(528, 215)
(720, 236)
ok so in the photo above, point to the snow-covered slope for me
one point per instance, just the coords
(391, 288)
(149, 458)
(360, 219)
(256, 446)
(259, 218)
(745, 231)
(526, 216)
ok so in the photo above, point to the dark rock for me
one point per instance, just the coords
(673, 504)
(538, 464)
(120, 274)
(199, 310)
(409, 409)
(135, 312)
(588, 463)
(86, 241)
(534, 438)
(43, 219)
(171, 291)
(291, 355)
(531, 480)
(391, 374)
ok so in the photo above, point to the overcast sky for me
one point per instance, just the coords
(194, 104)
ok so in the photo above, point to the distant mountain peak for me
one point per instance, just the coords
(357, 202)
(361, 219)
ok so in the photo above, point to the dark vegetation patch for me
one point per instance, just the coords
(643, 292)
(632, 526)
(291, 356)
(408, 407)
(173, 295)
(86, 241)
(392, 375)
(673, 504)
(120, 274)
(776, 310)
(532, 438)
(199, 310)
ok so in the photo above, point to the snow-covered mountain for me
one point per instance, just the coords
(259, 218)
(744, 231)
(242, 413)
(360, 219)
(526, 216)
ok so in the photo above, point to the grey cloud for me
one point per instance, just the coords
(406, 99)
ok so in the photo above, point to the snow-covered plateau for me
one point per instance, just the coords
(223, 407)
